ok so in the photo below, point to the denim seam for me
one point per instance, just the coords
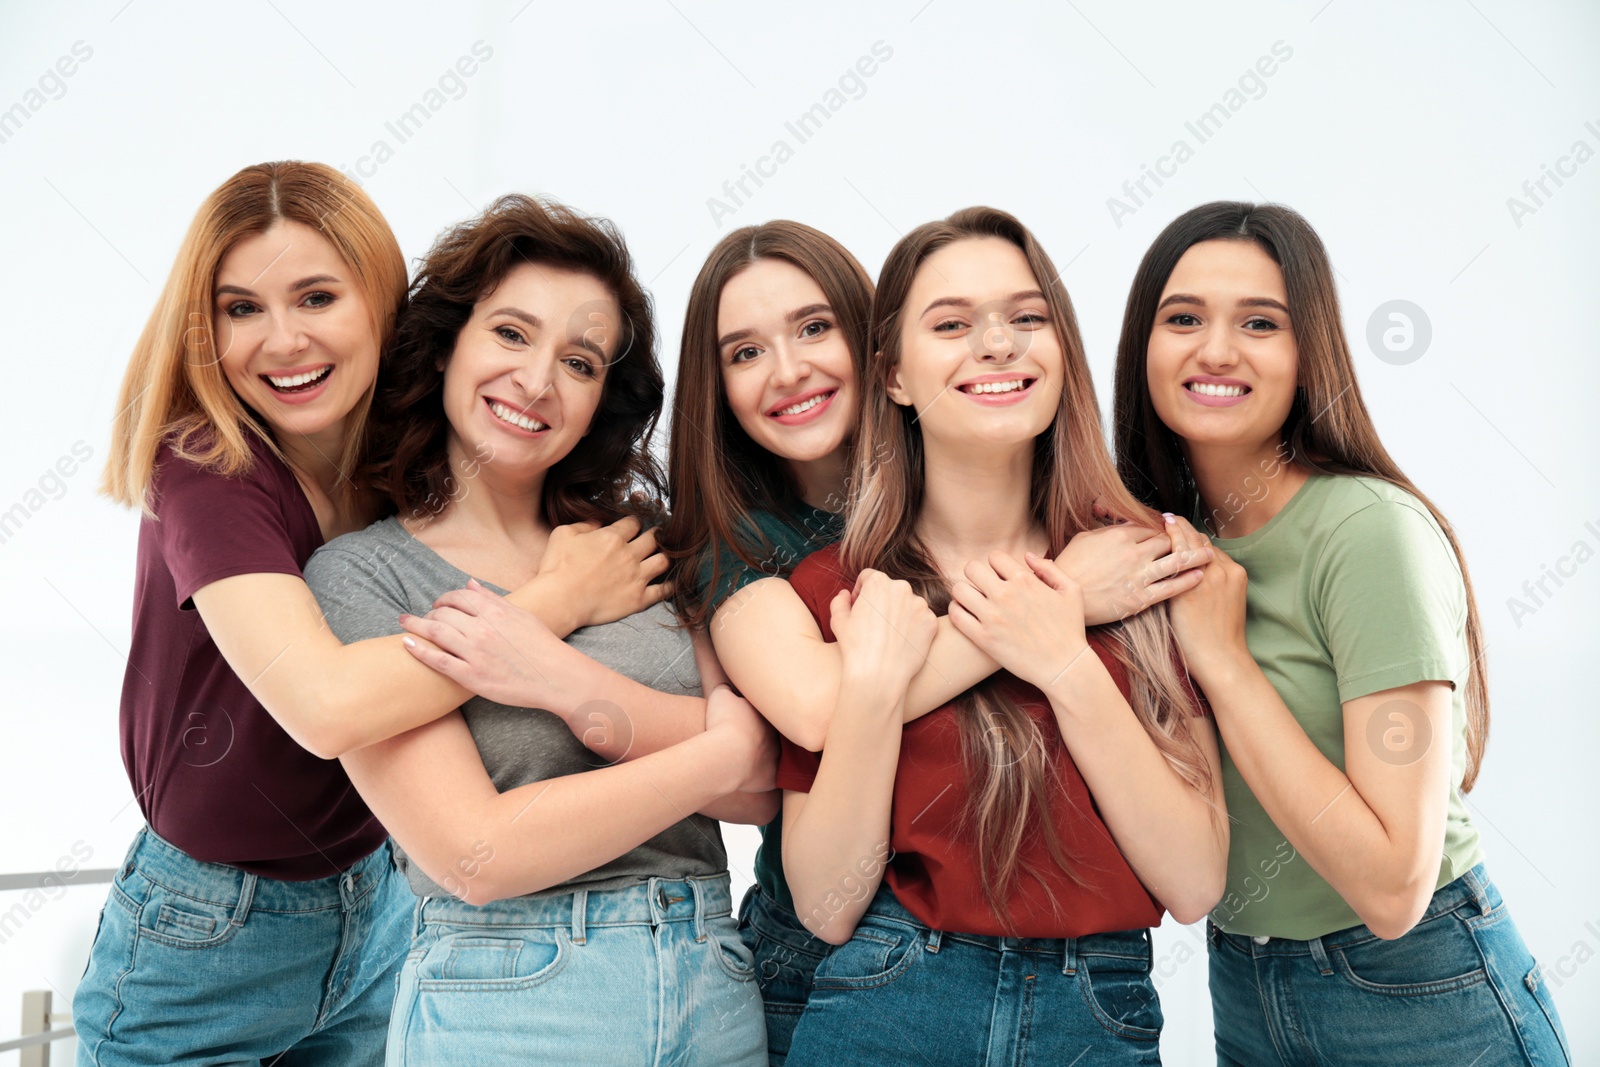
(1100, 1015)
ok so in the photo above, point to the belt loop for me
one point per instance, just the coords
(580, 904)
(935, 939)
(247, 894)
(416, 919)
(1069, 957)
(696, 891)
(1320, 955)
(1480, 891)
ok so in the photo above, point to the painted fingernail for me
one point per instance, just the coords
(1170, 517)
(404, 616)
(408, 642)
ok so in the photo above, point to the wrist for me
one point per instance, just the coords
(548, 596)
(871, 684)
(1077, 669)
(1222, 670)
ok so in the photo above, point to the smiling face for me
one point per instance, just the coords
(1222, 361)
(528, 369)
(786, 366)
(980, 359)
(294, 329)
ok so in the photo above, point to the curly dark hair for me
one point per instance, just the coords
(611, 471)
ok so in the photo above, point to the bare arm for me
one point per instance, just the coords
(1172, 833)
(430, 789)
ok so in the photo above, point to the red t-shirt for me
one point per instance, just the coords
(934, 870)
(213, 772)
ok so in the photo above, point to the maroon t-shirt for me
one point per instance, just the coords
(934, 870)
(213, 772)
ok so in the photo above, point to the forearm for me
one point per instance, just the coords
(619, 719)
(954, 665)
(1175, 836)
(551, 601)
(544, 833)
(1313, 802)
(748, 809)
(340, 698)
(836, 836)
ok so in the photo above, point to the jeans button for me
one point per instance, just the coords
(661, 897)
(1261, 939)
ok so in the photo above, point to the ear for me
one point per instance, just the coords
(896, 391)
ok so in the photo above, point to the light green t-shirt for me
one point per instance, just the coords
(1354, 589)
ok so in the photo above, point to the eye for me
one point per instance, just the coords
(1031, 318)
(949, 326)
(580, 365)
(1260, 324)
(510, 334)
(744, 355)
(318, 299)
(239, 309)
(1183, 318)
(815, 328)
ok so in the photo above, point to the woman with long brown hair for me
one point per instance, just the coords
(764, 418)
(257, 914)
(990, 869)
(1337, 637)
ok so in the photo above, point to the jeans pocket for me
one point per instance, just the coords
(733, 956)
(872, 957)
(176, 920)
(1121, 996)
(475, 963)
(1439, 955)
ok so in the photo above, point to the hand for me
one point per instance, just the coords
(1208, 620)
(1126, 568)
(1028, 617)
(497, 650)
(752, 742)
(605, 571)
(884, 629)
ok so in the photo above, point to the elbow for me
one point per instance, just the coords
(1194, 905)
(330, 741)
(1391, 914)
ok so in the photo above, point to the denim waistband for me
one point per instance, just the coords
(168, 865)
(1472, 888)
(652, 902)
(1123, 944)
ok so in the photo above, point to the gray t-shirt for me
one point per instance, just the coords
(365, 580)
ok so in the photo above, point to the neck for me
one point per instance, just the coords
(315, 458)
(822, 481)
(495, 504)
(1242, 486)
(977, 501)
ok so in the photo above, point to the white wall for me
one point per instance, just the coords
(1401, 132)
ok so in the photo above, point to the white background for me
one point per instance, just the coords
(1400, 131)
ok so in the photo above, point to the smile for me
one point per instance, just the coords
(513, 417)
(804, 410)
(298, 383)
(1015, 385)
(1207, 389)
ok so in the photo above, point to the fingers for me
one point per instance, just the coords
(655, 566)
(473, 600)
(655, 594)
(981, 576)
(1194, 538)
(445, 636)
(627, 526)
(643, 545)
(430, 656)
(1178, 560)
(1007, 566)
(1166, 589)
(1047, 571)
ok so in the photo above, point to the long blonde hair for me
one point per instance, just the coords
(175, 389)
(1009, 794)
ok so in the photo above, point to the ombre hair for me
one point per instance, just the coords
(1328, 429)
(716, 474)
(175, 391)
(1004, 751)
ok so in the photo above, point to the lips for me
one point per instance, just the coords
(804, 407)
(514, 418)
(300, 380)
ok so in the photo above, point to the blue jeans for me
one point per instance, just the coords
(1459, 988)
(900, 992)
(650, 974)
(200, 963)
(786, 956)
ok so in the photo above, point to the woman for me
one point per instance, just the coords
(547, 883)
(257, 914)
(991, 869)
(1359, 923)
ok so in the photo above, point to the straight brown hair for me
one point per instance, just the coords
(717, 475)
(175, 390)
(1008, 797)
(1328, 430)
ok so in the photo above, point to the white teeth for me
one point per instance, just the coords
(804, 405)
(299, 379)
(997, 387)
(516, 418)
(1208, 389)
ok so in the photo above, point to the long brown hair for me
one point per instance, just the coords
(717, 475)
(175, 388)
(1328, 429)
(597, 480)
(1071, 469)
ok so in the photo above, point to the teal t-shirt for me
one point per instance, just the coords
(788, 540)
(1354, 589)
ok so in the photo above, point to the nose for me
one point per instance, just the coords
(1216, 351)
(789, 366)
(284, 336)
(995, 341)
(535, 375)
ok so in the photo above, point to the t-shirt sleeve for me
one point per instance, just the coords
(356, 589)
(732, 574)
(212, 526)
(1391, 601)
(797, 768)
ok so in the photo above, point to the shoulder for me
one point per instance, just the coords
(1370, 517)
(377, 548)
(178, 472)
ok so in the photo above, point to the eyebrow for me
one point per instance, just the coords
(794, 316)
(1248, 302)
(303, 283)
(963, 302)
(535, 323)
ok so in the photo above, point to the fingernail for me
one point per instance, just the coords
(408, 642)
(1170, 517)
(404, 616)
